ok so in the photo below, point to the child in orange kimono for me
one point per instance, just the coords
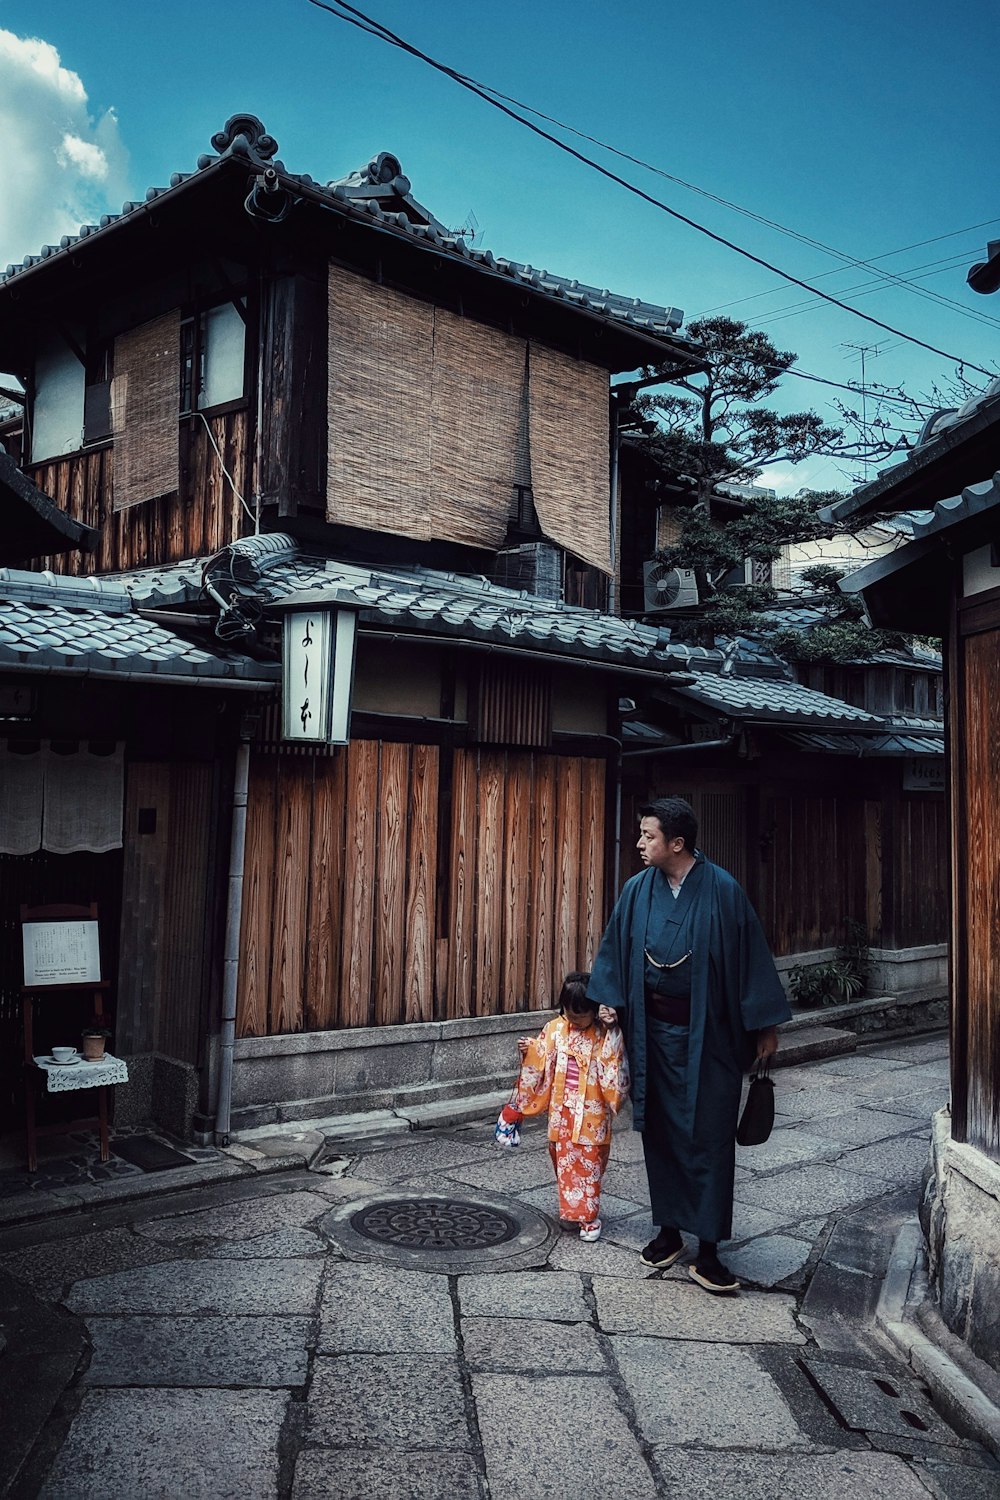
(577, 1070)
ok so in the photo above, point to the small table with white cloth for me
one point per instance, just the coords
(80, 1074)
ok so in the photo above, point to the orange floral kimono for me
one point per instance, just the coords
(581, 1078)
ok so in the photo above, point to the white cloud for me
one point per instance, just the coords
(89, 159)
(64, 168)
(818, 473)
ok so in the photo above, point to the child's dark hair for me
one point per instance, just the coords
(574, 992)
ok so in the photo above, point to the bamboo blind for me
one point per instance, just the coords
(145, 394)
(568, 426)
(424, 417)
(668, 525)
(380, 353)
(478, 386)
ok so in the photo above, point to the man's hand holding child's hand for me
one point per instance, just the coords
(607, 1015)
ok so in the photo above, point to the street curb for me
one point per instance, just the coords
(905, 1293)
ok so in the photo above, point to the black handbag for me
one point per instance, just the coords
(757, 1119)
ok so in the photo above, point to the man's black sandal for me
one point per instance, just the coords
(659, 1254)
(713, 1276)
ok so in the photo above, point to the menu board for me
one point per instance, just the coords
(61, 953)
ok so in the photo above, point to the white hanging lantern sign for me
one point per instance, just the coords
(318, 674)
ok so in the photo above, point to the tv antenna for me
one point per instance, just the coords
(863, 350)
(469, 228)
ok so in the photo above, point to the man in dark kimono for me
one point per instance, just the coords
(686, 967)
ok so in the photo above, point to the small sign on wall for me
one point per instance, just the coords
(61, 953)
(924, 773)
(318, 675)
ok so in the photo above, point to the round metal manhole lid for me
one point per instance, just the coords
(439, 1233)
(435, 1224)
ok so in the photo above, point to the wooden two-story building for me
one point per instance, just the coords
(252, 389)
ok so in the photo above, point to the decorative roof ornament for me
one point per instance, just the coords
(260, 144)
(384, 168)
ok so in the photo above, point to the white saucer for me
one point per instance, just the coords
(69, 1062)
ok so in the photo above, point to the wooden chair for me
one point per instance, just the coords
(34, 994)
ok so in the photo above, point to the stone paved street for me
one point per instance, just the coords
(247, 1340)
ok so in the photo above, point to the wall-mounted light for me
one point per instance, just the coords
(318, 647)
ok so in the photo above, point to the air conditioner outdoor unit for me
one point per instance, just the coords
(667, 588)
(750, 572)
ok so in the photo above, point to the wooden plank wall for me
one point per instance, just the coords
(812, 860)
(164, 963)
(201, 517)
(814, 876)
(921, 868)
(979, 879)
(382, 887)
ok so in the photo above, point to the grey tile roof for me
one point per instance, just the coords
(943, 434)
(359, 197)
(864, 746)
(974, 500)
(56, 625)
(978, 503)
(764, 701)
(803, 615)
(423, 600)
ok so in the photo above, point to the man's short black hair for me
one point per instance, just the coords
(676, 819)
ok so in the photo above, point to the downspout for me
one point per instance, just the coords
(231, 959)
(612, 583)
(686, 748)
(618, 823)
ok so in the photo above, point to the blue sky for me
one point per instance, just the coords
(866, 126)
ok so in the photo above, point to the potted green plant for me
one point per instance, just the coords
(94, 1039)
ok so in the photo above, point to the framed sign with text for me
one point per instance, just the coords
(61, 953)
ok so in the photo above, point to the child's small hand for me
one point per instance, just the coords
(523, 1043)
(607, 1015)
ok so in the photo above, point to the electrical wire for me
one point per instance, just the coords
(836, 270)
(867, 288)
(868, 263)
(222, 466)
(363, 22)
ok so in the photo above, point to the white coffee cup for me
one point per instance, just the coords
(64, 1054)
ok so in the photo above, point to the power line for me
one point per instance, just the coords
(909, 280)
(867, 288)
(836, 270)
(357, 18)
(850, 261)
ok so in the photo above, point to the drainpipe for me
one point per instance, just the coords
(615, 442)
(618, 823)
(231, 960)
(685, 749)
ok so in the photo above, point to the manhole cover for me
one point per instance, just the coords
(435, 1224)
(438, 1233)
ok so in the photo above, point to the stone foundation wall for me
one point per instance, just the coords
(960, 1216)
(891, 971)
(160, 1090)
(317, 1074)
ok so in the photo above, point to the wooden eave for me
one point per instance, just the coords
(150, 251)
(33, 525)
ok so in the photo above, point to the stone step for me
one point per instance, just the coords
(801, 1044)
